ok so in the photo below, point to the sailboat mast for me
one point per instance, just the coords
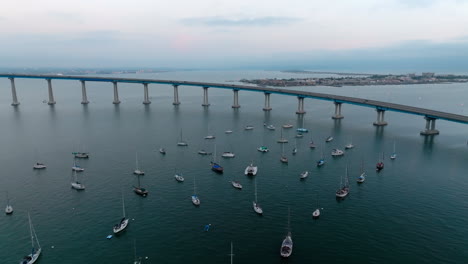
(194, 186)
(289, 220)
(136, 160)
(31, 231)
(232, 255)
(123, 204)
(255, 190)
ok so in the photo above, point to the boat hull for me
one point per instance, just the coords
(121, 226)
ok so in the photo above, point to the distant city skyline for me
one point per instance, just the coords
(418, 35)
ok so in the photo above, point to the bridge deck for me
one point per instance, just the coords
(320, 96)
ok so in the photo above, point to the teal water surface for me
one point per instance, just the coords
(414, 211)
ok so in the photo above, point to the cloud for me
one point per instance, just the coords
(217, 21)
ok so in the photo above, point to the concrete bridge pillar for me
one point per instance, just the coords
(51, 93)
(380, 118)
(236, 99)
(146, 94)
(13, 92)
(300, 106)
(176, 94)
(116, 94)
(267, 102)
(205, 97)
(430, 127)
(337, 111)
(84, 98)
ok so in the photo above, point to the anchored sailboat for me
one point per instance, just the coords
(140, 190)
(394, 155)
(251, 170)
(343, 191)
(281, 139)
(8, 208)
(287, 245)
(123, 222)
(321, 161)
(76, 167)
(195, 199)
(362, 176)
(256, 206)
(215, 166)
(181, 142)
(75, 184)
(35, 252)
(283, 158)
(137, 171)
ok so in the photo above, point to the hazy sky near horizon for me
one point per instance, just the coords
(212, 33)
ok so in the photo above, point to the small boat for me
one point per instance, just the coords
(162, 151)
(179, 177)
(287, 244)
(312, 144)
(75, 184)
(380, 165)
(123, 222)
(281, 139)
(304, 174)
(140, 190)
(330, 138)
(248, 127)
(137, 260)
(271, 127)
(287, 126)
(316, 213)
(137, 171)
(349, 146)
(394, 155)
(181, 142)
(362, 177)
(256, 205)
(8, 208)
(343, 191)
(228, 154)
(77, 167)
(321, 161)
(195, 199)
(337, 152)
(81, 155)
(215, 166)
(236, 185)
(263, 149)
(39, 166)
(210, 137)
(251, 170)
(283, 158)
(228, 131)
(207, 227)
(299, 135)
(203, 152)
(35, 253)
(302, 130)
(231, 255)
(294, 151)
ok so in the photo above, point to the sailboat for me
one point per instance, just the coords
(256, 206)
(282, 140)
(362, 176)
(35, 252)
(294, 151)
(8, 208)
(343, 191)
(316, 213)
(76, 167)
(195, 199)
(177, 175)
(137, 171)
(215, 166)
(321, 161)
(236, 185)
(123, 222)
(140, 190)
(287, 245)
(380, 165)
(232, 255)
(312, 144)
(394, 155)
(162, 151)
(283, 158)
(81, 155)
(304, 174)
(75, 184)
(349, 145)
(181, 142)
(328, 139)
(39, 166)
(137, 259)
(251, 170)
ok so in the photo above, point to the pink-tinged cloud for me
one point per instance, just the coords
(183, 42)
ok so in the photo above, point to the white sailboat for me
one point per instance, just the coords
(316, 213)
(256, 206)
(321, 161)
(337, 152)
(76, 167)
(281, 139)
(283, 158)
(251, 170)
(343, 191)
(350, 145)
(294, 151)
(304, 174)
(75, 184)
(181, 142)
(123, 222)
(195, 198)
(236, 185)
(137, 171)
(232, 255)
(394, 155)
(137, 260)
(287, 244)
(35, 252)
(8, 208)
(362, 176)
(177, 175)
(228, 154)
(39, 166)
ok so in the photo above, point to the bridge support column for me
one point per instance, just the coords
(380, 118)
(84, 98)
(116, 94)
(13, 92)
(146, 94)
(267, 102)
(236, 99)
(205, 97)
(176, 94)
(300, 106)
(337, 111)
(51, 93)
(430, 127)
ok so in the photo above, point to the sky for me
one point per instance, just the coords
(211, 34)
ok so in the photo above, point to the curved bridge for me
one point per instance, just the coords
(381, 107)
